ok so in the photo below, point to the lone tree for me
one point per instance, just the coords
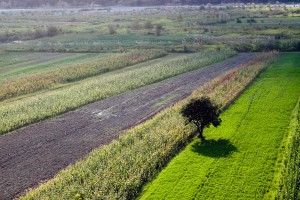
(202, 112)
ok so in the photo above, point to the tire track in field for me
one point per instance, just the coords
(36, 153)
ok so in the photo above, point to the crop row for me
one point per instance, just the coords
(119, 170)
(215, 89)
(32, 109)
(32, 83)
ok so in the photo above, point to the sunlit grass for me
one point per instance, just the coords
(237, 161)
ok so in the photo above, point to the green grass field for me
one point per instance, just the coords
(237, 160)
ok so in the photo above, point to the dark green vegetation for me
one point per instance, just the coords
(239, 159)
(175, 29)
(202, 112)
(119, 170)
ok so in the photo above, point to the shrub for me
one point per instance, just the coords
(112, 30)
(39, 33)
(52, 31)
(148, 25)
(158, 29)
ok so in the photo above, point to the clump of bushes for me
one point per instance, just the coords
(111, 29)
(269, 45)
(50, 32)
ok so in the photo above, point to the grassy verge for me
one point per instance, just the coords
(43, 80)
(286, 182)
(25, 111)
(119, 170)
(237, 161)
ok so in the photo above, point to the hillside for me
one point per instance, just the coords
(60, 3)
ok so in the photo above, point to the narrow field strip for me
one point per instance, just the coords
(11, 62)
(63, 86)
(286, 182)
(35, 82)
(26, 111)
(237, 161)
(38, 66)
(119, 170)
(13, 59)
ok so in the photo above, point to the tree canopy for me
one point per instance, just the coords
(202, 112)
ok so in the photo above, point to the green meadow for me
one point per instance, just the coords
(238, 159)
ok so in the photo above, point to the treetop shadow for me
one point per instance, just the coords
(214, 148)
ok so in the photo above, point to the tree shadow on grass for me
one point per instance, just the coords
(214, 148)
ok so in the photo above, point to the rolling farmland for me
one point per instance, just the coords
(238, 159)
(44, 80)
(101, 122)
(90, 100)
(51, 103)
(139, 153)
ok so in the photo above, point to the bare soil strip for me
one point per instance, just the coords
(37, 152)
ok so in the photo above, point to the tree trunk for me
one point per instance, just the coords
(200, 131)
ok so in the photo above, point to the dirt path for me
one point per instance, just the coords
(37, 152)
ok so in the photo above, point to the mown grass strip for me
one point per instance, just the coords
(26, 111)
(237, 161)
(286, 182)
(35, 82)
(119, 170)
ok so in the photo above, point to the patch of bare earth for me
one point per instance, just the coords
(37, 152)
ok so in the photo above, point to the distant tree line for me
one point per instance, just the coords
(41, 3)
